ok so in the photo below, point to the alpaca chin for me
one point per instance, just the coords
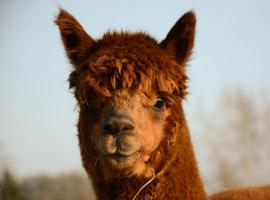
(119, 162)
(125, 166)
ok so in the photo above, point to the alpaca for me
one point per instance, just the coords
(132, 127)
(133, 136)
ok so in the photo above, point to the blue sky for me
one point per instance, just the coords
(37, 128)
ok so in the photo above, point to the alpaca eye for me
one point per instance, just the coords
(160, 104)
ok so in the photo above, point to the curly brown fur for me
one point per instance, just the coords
(130, 89)
(250, 193)
(131, 83)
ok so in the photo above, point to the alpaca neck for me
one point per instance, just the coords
(180, 180)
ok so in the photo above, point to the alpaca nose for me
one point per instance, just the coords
(118, 124)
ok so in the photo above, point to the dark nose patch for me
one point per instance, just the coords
(118, 124)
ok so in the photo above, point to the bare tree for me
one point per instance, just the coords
(9, 188)
(62, 187)
(238, 140)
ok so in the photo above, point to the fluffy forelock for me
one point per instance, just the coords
(132, 61)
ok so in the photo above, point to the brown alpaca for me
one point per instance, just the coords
(133, 135)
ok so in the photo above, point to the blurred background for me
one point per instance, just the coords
(228, 108)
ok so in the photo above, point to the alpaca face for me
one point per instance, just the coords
(124, 130)
(129, 90)
(124, 112)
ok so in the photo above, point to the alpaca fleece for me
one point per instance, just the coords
(129, 88)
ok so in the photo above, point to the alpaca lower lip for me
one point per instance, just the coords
(120, 161)
(121, 155)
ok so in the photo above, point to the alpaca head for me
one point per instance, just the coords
(129, 89)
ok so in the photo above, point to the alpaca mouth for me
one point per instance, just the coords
(120, 161)
(118, 152)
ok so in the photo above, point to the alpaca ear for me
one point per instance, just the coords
(180, 39)
(74, 37)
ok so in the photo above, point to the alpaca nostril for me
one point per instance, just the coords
(118, 125)
(127, 127)
(108, 128)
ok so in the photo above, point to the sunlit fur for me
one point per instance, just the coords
(248, 193)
